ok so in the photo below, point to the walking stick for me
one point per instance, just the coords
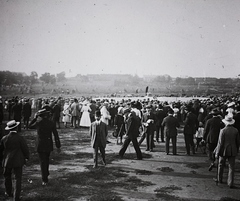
(217, 173)
(216, 179)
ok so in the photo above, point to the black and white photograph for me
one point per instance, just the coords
(119, 100)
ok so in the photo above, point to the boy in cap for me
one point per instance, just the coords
(15, 153)
(98, 132)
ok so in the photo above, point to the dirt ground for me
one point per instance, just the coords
(157, 177)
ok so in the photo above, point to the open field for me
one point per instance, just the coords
(157, 177)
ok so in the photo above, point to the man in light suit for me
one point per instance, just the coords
(227, 148)
(98, 132)
(170, 125)
(15, 153)
(75, 112)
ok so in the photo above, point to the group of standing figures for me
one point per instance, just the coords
(205, 122)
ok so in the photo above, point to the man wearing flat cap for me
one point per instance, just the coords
(45, 129)
(15, 153)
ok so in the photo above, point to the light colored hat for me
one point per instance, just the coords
(228, 120)
(120, 109)
(42, 112)
(231, 104)
(201, 110)
(12, 124)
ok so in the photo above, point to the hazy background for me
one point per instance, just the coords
(198, 38)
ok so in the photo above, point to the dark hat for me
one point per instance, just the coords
(98, 113)
(126, 110)
(215, 111)
(12, 124)
(170, 111)
(189, 108)
(43, 112)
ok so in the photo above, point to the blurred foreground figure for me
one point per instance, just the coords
(15, 153)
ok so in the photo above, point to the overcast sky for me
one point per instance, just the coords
(197, 38)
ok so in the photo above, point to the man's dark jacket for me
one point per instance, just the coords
(45, 129)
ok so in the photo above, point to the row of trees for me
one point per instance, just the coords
(8, 78)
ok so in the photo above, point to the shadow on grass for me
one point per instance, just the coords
(95, 184)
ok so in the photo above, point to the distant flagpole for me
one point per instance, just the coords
(146, 91)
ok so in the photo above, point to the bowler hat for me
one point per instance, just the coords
(42, 112)
(215, 111)
(98, 113)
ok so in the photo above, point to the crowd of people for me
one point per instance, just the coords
(211, 125)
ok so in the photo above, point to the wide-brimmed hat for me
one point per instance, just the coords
(12, 124)
(228, 120)
(43, 112)
(231, 104)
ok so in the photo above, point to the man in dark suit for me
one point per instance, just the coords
(170, 125)
(56, 110)
(236, 117)
(132, 125)
(160, 115)
(15, 153)
(45, 129)
(17, 112)
(26, 113)
(190, 128)
(211, 134)
(98, 132)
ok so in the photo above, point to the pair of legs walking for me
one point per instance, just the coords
(7, 173)
(231, 167)
(135, 145)
(189, 144)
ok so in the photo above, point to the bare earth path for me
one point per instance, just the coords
(157, 177)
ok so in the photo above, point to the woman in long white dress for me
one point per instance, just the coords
(85, 119)
(66, 114)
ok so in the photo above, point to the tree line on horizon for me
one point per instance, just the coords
(8, 78)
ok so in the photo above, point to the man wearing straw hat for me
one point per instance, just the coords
(227, 149)
(15, 153)
(45, 129)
